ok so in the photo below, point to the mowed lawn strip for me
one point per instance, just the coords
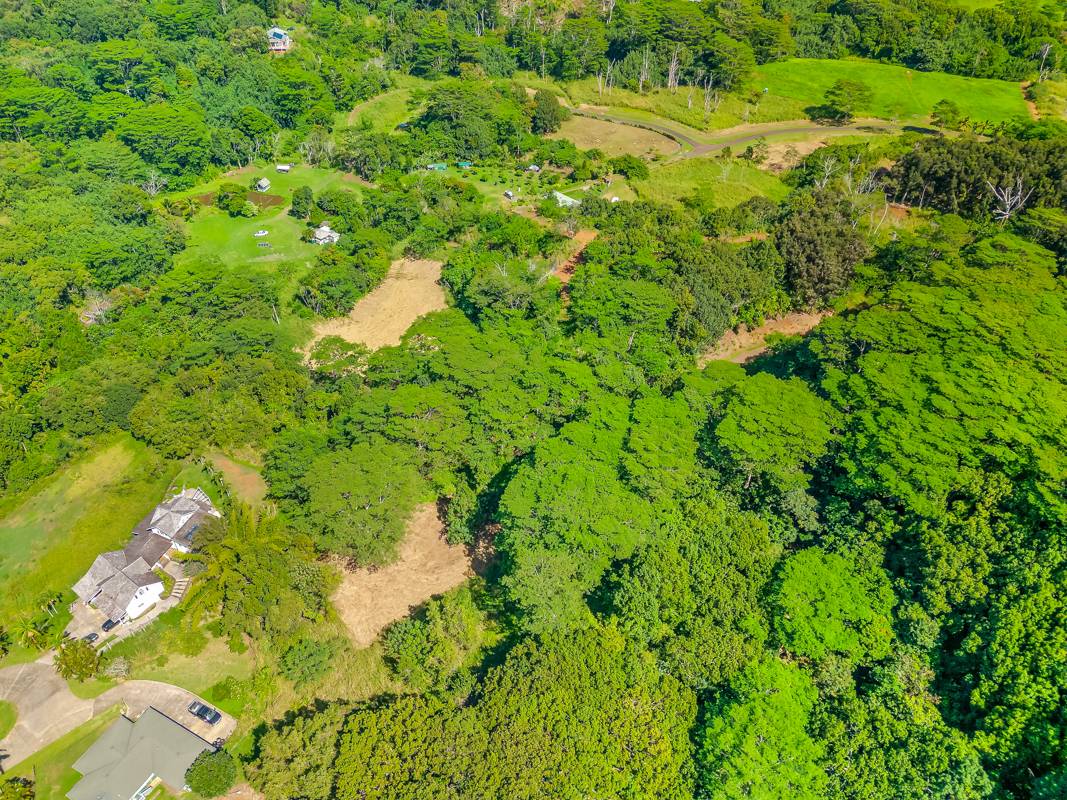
(50, 535)
(724, 184)
(52, 767)
(897, 92)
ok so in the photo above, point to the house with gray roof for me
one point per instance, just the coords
(132, 757)
(123, 583)
(179, 518)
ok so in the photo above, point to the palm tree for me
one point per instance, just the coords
(30, 631)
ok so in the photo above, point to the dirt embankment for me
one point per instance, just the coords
(369, 599)
(379, 319)
(744, 345)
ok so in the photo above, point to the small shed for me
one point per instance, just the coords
(283, 167)
(510, 195)
(262, 185)
(437, 166)
(464, 164)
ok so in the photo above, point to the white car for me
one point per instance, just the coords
(257, 234)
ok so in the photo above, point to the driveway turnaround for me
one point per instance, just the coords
(47, 709)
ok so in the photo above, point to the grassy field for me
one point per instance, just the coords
(215, 233)
(384, 112)
(898, 93)
(1050, 98)
(8, 717)
(51, 534)
(52, 766)
(726, 184)
(796, 84)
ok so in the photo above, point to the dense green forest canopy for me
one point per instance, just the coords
(838, 570)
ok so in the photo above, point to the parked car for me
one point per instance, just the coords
(90, 638)
(206, 713)
(108, 625)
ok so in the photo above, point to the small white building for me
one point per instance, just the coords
(283, 167)
(533, 168)
(563, 201)
(278, 40)
(324, 234)
(510, 195)
(262, 185)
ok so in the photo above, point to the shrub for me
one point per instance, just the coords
(212, 773)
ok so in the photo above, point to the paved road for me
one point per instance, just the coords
(47, 709)
(743, 135)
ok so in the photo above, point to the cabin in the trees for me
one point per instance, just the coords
(324, 234)
(278, 40)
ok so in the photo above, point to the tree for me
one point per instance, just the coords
(76, 660)
(307, 660)
(821, 246)
(548, 113)
(212, 773)
(825, 603)
(17, 789)
(845, 97)
(754, 743)
(946, 114)
(303, 202)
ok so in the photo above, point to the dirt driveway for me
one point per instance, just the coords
(47, 709)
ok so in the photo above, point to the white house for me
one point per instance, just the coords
(122, 583)
(324, 234)
(278, 40)
(262, 185)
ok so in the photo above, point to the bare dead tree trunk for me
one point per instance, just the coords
(1010, 198)
(672, 70)
(1042, 73)
(646, 69)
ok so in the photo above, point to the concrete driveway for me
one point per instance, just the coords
(47, 709)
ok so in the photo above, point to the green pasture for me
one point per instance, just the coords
(795, 84)
(898, 93)
(50, 534)
(724, 182)
(387, 110)
(52, 767)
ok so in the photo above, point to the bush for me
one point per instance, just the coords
(307, 660)
(76, 660)
(212, 773)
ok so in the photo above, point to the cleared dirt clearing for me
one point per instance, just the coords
(613, 138)
(380, 318)
(741, 346)
(368, 600)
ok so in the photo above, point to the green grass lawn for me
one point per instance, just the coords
(898, 93)
(705, 176)
(52, 766)
(8, 717)
(795, 84)
(385, 111)
(50, 534)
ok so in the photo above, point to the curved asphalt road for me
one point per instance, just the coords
(47, 709)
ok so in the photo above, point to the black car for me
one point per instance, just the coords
(108, 625)
(206, 713)
(90, 638)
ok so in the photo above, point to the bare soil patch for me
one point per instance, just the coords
(742, 346)
(245, 482)
(380, 318)
(786, 155)
(265, 200)
(613, 138)
(369, 599)
(580, 240)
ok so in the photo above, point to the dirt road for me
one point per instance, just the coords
(741, 134)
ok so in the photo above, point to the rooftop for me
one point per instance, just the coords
(131, 753)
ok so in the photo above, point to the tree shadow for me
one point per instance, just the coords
(827, 115)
